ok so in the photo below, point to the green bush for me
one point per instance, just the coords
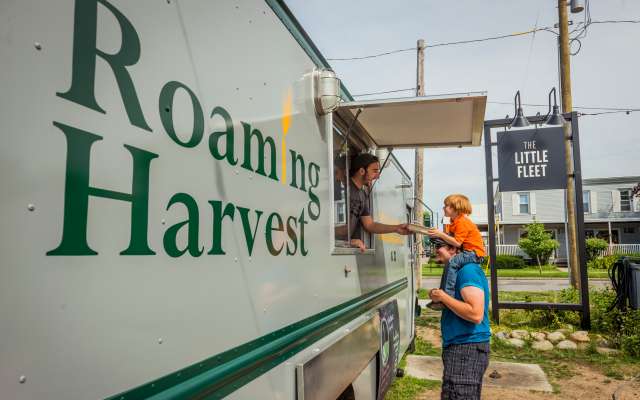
(621, 327)
(595, 246)
(538, 243)
(607, 261)
(509, 262)
(632, 255)
(602, 262)
(630, 336)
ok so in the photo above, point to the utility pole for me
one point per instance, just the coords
(567, 107)
(419, 184)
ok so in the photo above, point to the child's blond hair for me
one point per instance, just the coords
(458, 202)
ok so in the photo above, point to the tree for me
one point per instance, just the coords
(636, 190)
(538, 243)
(594, 246)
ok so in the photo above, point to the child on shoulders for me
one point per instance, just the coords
(462, 233)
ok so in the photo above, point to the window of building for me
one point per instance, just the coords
(629, 229)
(344, 149)
(625, 200)
(586, 201)
(523, 199)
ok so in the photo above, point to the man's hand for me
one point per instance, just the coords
(359, 244)
(402, 229)
(438, 295)
(435, 233)
(470, 309)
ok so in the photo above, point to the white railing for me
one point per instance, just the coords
(620, 249)
(507, 250)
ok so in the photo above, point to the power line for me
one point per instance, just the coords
(608, 112)
(489, 38)
(626, 21)
(581, 30)
(620, 109)
(533, 39)
(614, 109)
(441, 45)
(373, 55)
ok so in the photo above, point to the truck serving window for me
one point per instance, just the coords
(416, 122)
(345, 229)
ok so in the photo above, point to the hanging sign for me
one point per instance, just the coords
(532, 159)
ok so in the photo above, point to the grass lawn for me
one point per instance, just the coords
(560, 365)
(408, 387)
(548, 271)
(547, 296)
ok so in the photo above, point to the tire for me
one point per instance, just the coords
(348, 394)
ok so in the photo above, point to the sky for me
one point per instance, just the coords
(605, 72)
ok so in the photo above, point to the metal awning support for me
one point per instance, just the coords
(354, 120)
(384, 165)
(452, 120)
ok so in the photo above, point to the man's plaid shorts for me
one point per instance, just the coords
(464, 367)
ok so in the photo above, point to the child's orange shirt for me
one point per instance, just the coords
(466, 233)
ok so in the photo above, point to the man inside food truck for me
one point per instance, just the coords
(364, 170)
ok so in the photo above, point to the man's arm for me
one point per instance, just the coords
(471, 309)
(375, 227)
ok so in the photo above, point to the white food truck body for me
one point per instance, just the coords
(168, 209)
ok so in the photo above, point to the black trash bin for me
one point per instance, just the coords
(633, 268)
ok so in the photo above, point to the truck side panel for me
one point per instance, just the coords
(136, 241)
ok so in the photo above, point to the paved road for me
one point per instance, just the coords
(530, 285)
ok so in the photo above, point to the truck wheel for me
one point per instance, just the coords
(348, 394)
(412, 345)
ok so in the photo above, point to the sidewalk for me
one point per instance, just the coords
(527, 284)
(499, 374)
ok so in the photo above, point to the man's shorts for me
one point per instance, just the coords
(464, 367)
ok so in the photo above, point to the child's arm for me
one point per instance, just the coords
(450, 239)
(434, 232)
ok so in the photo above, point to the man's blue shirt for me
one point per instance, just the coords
(456, 330)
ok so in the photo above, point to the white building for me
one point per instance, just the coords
(610, 213)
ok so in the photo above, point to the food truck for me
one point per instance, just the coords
(170, 202)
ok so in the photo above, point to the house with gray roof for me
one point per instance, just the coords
(610, 212)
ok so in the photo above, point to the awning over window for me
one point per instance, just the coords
(429, 121)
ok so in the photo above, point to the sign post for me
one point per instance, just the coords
(533, 159)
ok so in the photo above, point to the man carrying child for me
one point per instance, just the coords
(465, 327)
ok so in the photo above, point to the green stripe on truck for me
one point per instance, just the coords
(221, 374)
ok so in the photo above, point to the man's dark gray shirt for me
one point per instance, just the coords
(358, 207)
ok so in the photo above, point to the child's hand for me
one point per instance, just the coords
(434, 232)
